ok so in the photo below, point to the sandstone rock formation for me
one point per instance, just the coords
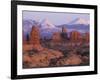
(58, 52)
(35, 36)
(87, 37)
(27, 47)
(56, 37)
(75, 36)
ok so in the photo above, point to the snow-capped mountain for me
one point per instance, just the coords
(78, 24)
(47, 24)
(80, 21)
(48, 28)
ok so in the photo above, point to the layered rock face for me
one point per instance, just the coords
(75, 36)
(87, 37)
(58, 51)
(60, 36)
(34, 55)
(34, 36)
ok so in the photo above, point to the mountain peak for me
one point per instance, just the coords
(46, 23)
(80, 21)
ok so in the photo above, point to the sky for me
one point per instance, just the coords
(57, 18)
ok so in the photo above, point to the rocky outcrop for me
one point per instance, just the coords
(71, 59)
(27, 47)
(58, 51)
(75, 36)
(35, 36)
(41, 59)
(87, 37)
(56, 37)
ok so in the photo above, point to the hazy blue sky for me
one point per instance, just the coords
(56, 18)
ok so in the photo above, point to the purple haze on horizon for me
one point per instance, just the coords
(57, 18)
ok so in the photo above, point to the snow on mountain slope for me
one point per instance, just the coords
(46, 23)
(80, 21)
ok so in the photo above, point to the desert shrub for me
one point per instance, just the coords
(64, 35)
(32, 52)
(53, 62)
(85, 53)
